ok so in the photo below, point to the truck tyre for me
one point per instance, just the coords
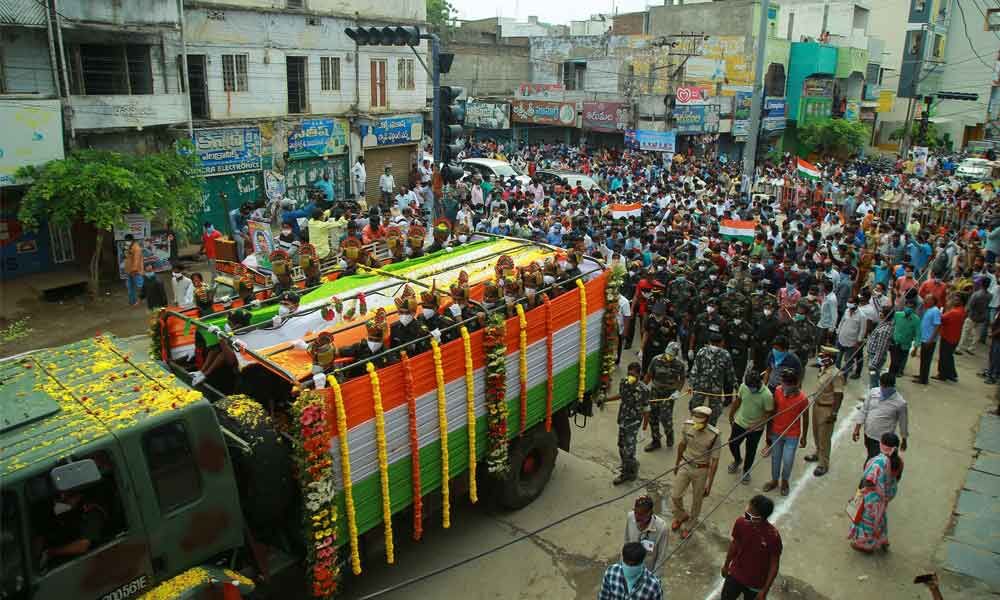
(532, 459)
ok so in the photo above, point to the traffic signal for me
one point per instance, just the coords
(452, 115)
(452, 173)
(384, 36)
(957, 96)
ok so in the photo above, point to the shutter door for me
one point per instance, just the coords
(398, 157)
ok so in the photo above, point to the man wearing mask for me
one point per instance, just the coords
(930, 326)
(649, 529)
(754, 554)
(368, 348)
(829, 396)
(712, 377)
(787, 431)
(359, 175)
(633, 413)
(697, 461)
(849, 335)
(883, 411)
(905, 337)
(659, 331)
(765, 329)
(152, 290)
(801, 335)
(781, 359)
(407, 328)
(788, 299)
(748, 415)
(903, 286)
(630, 579)
(666, 373)
(183, 288)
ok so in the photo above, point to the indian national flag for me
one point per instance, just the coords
(808, 170)
(624, 211)
(732, 229)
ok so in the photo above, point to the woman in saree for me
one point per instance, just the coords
(870, 530)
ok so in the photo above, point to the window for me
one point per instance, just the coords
(172, 467)
(234, 73)
(405, 74)
(916, 43)
(296, 72)
(13, 575)
(920, 6)
(938, 50)
(573, 74)
(379, 97)
(329, 73)
(97, 69)
(295, 3)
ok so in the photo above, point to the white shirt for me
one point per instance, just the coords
(851, 328)
(653, 538)
(386, 183)
(183, 291)
(360, 176)
(624, 312)
(425, 174)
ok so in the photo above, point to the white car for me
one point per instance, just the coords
(496, 168)
(567, 178)
(974, 169)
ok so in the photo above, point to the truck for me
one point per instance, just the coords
(120, 479)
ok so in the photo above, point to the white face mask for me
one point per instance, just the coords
(767, 313)
(406, 319)
(529, 290)
(563, 265)
(428, 312)
(177, 276)
(227, 328)
(456, 309)
(462, 238)
(548, 279)
(374, 346)
(60, 508)
(701, 268)
(283, 310)
(713, 277)
(710, 309)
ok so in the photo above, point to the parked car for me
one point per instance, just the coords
(495, 168)
(567, 178)
(975, 169)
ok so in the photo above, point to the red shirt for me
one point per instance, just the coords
(208, 240)
(936, 288)
(951, 325)
(644, 285)
(786, 420)
(756, 544)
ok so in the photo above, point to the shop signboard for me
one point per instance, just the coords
(656, 141)
(741, 113)
(690, 95)
(690, 119)
(544, 113)
(605, 116)
(32, 135)
(391, 131)
(774, 113)
(228, 150)
(487, 115)
(318, 137)
(540, 91)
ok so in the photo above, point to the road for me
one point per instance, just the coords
(568, 560)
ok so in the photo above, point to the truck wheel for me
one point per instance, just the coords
(532, 458)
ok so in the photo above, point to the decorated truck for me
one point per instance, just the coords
(303, 449)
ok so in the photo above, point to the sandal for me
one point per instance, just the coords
(770, 485)
(676, 524)
(784, 488)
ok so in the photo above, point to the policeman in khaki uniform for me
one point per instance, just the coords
(697, 460)
(824, 413)
(666, 373)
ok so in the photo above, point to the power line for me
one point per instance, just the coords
(965, 28)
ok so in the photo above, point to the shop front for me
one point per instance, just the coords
(488, 120)
(604, 123)
(390, 142)
(317, 147)
(545, 122)
(231, 163)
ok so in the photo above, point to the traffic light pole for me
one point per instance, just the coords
(757, 102)
(436, 82)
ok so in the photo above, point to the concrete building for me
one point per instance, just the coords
(596, 25)
(532, 27)
(486, 64)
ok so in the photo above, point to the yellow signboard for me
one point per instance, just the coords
(886, 98)
(720, 60)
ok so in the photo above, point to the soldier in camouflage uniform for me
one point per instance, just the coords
(701, 326)
(633, 413)
(733, 304)
(801, 334)
(666, 373)
(712, 375)
(705, 266)
(681, 292)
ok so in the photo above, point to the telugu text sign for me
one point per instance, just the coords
(487, 115)
(544, 113)
(605, 116)
(391, 131)
(318, 137)
(228, 150)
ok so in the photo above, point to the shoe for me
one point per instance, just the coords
(953, 379)
(676, 523)
(938, 378)
(959, 353)
(820, 471)
(770, 485)
(784, 487)
(670, 440)
(746, 479)
(623, 477)
(734, 467)
(856, 376)
(811, 458)
(654, 445)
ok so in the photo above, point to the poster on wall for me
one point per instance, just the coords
(228, 150)
(135, 224)
(920, 160)
(318, 137)
(690, 119)
(391, 131)
(609, 117)
(774, 114)
(155, 252)
(544, 113)
(741, 113)
(263, 242)
(852, 110)
(656, 141)
(487, 115)
(32, 135)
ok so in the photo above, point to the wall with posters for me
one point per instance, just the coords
(22, 252)
(544, 113)
(32, 135)
(480, 114)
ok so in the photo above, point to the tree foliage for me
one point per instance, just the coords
(837, 138)
(100, 187)
(932, 138)
(440, 13)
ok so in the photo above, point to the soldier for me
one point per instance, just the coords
(441, 233)
(829, 396)
(701, 327)
(459, 311)
(309, 263)
(572, 269)
(766, 327)
(738, 334)
(394, 242)
(415, 236)
(352, 254)
(801, 335)
(531, 278)
(368, 348)
(660, 331)
(633, 412)
(732, 303)
(667, 373)
(407, 328)
(429, 317)
(697, 461)
(281, 271)
(712, 376)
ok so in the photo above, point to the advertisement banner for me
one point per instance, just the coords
(656, 141)
(817, 88)
(852, 111)
(487, 115)
(814, 109)
(741, 114)
(544, 113)
(136, 224)
(32, 135)
(540, 91)
(690, 119)
(228, 150)
(263, 242)
(690, 95)
(391, 131)
(605, 116)
(774, 113)
(155, 252)
(318, 137)
(886, 98)
(920, 154)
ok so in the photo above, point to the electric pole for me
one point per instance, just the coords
(757, 103)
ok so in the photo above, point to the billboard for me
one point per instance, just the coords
(741, 113)
(318, 137)
(690, 119)
(544, 113)
(690, 95)
(774, 113)
(391, 131)
(656, 141)
(487, 115)
(32, 135)
(605, 116)
(540, 91)
(228, 150)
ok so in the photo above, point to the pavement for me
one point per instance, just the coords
(568, 560)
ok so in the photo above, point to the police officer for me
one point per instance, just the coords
(712, 377)
(633, 413)
(666, 373)
(829, 396)
(697, 461)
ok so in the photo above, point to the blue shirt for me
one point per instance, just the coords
(920, 254)
(929, 324)
(881, 274)
(327, 188)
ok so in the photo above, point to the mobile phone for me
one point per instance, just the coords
(925, 578)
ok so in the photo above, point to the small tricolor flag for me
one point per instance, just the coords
(808, 170)
(743, 231)
(624, 211)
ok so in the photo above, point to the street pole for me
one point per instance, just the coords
(436, 82)
(756, 104)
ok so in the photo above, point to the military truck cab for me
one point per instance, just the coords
(115, 477)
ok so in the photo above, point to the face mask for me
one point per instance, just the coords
(283, 310)
(851, 306)
(462, 238)
(790, 390)
(698, 426)
(702, 268)
(779, 355)
(790, 287)
(60, 508)
(713, 277)
(710, 309)
(177, 276)
(750, 517)
(632, 572)
(374, 346)
(563, 265)
(529, 291)
(405, 319)
(286, 232)
(800, 317)
(631, 379)
(548, 279)
(767, 312)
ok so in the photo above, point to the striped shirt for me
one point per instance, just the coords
(878, 344)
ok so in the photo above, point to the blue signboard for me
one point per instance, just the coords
(657, 141)
(690, 119)
(391, 131)
(741, 113)
(228, 150)
(318, 137)
(774, 113)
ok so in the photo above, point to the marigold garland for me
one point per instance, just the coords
(470, 409)
(313, 436)
(443, 426)
(495, 347)
(345, 469)
(411, 413)
(548, 365)
(383, 462)
(523, 366)
(581, 383)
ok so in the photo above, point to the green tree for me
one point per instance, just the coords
(930, 138)
(440, 13)
(100, 187)
(837, 138)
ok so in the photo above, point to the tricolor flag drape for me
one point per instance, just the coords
(624, 211)
(743, 231)
(808, 170)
